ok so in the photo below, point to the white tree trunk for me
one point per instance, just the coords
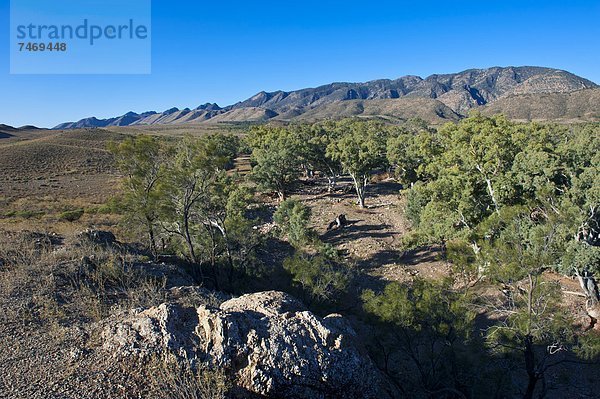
(360, 186)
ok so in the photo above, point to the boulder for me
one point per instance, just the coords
(98, 237)
(267, 341)
(144, 333)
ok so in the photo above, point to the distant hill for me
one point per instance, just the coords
(246, 114)
(7, 128)
(581, 105)
(7, 131)
(437, 98)
(394, 109)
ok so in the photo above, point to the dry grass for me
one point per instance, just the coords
(184, 382)
(161, 377)
(104, 281)
(60, 166)
(53, 292)
(20, 255)
(48, 283)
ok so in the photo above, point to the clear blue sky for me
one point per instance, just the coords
(226, 51)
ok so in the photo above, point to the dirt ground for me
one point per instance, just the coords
(373, 236)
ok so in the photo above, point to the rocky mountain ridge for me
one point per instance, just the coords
(450, 96)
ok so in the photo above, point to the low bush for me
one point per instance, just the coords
(321, 278)
(71, 216)
(292, 219)
(25, 214)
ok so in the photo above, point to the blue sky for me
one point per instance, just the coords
(226, 51)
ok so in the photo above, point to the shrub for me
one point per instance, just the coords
(422, 332)
(320, 277)
(71, 216)
(293, 217)
(110, 208)
(27, 214)
(417, 199)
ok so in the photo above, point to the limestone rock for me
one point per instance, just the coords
(266, 340)
(149, 332)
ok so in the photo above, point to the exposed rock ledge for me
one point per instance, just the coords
(272, 346)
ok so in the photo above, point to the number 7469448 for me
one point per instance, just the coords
(34, 47)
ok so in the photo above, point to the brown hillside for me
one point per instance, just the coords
(582, 105)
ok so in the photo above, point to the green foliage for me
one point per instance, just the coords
(280, 154)
(580, 256)
(71, 216)
(112, 206)
(544, 325)
(424, 329)
(225, 147)
(417, 199)
(468, 172)
(360, 149)
(26, 214)
(322, 278)
(293, 219)
(518, 249)
(276, 157)
(517, 246)
(230, 233)
(465, 266)
(410, 152)
(204, 209)
(141, 160)
(239, 197)
(508, 201)
(313, 141)
(424, 307)
(183, 194)
(588, 347)
(189, 178)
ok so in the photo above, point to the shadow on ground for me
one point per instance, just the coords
(355, 232)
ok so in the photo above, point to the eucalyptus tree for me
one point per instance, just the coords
(411, 150)
(277, 159)
(531, 322)
(192, 172)
(313, 140)
(142, 160)
(360, 149)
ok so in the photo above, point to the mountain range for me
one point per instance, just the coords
(520, 92)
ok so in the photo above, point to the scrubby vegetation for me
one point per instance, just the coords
(506, 202)
(512, 210)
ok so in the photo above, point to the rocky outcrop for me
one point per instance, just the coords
(98, 237)
(266, 340)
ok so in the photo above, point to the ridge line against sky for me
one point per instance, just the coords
(209, 52)
(191, 107)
